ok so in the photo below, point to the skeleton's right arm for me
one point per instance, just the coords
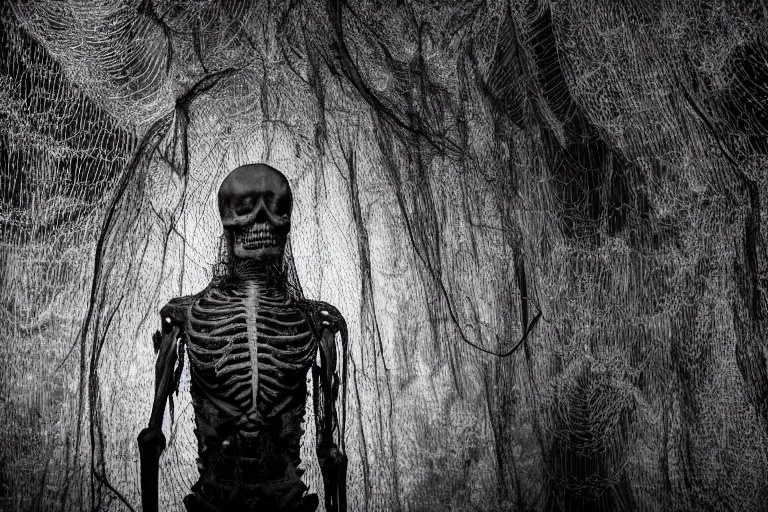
(151, 439)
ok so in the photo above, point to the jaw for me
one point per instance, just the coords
(259, 242)
(259, 254)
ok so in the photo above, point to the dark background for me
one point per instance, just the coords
(590, 172)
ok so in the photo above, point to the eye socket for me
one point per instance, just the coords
(282, 206)
(279, 205)
(244, 206)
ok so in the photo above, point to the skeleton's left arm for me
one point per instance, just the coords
(151, 440)
(329, 425)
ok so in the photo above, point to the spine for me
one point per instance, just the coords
(252, 329)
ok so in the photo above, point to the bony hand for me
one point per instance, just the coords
(336, 457)
(329, 320)
(152, 438)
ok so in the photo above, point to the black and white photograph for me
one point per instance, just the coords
(383, 255)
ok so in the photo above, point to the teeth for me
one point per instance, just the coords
(258, 237)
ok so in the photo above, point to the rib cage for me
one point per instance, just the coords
(249, 349)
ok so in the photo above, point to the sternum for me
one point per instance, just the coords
(251, 309)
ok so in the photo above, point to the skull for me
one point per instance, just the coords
(255, 206)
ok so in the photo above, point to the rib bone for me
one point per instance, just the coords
(250, 349)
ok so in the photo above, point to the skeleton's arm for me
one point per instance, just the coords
(329, 427)
(151, 439)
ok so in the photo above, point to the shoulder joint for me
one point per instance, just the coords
(174, 314)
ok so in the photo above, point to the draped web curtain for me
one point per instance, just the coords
(542, 221)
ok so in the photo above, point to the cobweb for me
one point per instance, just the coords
(541, 220)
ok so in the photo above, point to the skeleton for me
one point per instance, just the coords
(251, 339)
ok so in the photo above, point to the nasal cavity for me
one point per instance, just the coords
(261, 212)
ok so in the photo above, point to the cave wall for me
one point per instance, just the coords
(542, 221)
